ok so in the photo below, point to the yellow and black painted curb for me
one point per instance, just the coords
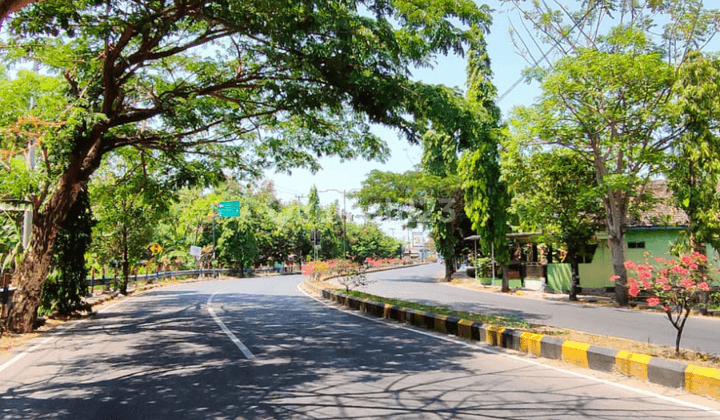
(694, 379)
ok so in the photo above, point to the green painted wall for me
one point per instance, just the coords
(597, 273)
(559, 276)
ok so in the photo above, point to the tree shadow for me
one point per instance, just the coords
(162, 356)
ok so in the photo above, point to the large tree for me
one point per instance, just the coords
(607, 92)
(555, 192)
(694, 166)
(254, 83)
(131, 194)
(485, 194)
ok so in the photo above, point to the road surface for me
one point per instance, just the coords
(260, 349)
(421, 284)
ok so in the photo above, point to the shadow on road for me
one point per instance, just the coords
(163, 356)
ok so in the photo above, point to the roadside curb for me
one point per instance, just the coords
(694, 379)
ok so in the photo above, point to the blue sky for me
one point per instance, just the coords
(507, 67)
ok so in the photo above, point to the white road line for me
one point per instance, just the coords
(246, 351)
(521, 359)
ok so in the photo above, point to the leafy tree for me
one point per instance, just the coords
(66, 286)
(485, 195)
(368, 241)
(129, 199)
(556, 192)
(292, 235)
(694, 170)
(609, 96)
(418, 197)
(205, 78)
(237, 244)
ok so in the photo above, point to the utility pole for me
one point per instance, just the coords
(28, 213)
(344, 216)
(299, 250)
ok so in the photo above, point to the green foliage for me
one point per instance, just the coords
(66, 286)
(569, 213)
(10, 240)
(694, 169)
(611, 95)
(485, 195)
(130, 195)
(368, 241)
(510, 321)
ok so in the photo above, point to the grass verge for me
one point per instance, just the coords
(664, 352)
(493, 319)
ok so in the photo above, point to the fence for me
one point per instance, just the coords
(149, 277)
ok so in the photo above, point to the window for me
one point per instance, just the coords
(636, 245)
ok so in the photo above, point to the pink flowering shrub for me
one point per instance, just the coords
(316, 269)
(676, 286)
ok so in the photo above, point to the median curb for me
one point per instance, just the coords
(694, 379)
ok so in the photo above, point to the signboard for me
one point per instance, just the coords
(155, 248)
(229, 209)
(417, 240)
(195, 251)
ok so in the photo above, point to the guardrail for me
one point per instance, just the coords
(92, 282)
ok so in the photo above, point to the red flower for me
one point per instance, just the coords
(686, 283)
(704, 287)
(644, 275)
(630, 265)
(653, 301)
(613, 278)
(667, 287)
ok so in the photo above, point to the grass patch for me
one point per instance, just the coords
(508, 321)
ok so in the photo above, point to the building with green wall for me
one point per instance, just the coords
(652, 234)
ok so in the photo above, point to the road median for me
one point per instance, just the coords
(694, 379)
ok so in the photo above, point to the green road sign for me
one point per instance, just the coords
(229, 209)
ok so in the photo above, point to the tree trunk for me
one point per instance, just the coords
(617, 246)
(450, 269)
(505, 278)
(35, 266)
(125, 275)
(575, 277)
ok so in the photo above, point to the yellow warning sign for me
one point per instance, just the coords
(155, 248)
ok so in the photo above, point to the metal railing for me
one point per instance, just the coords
(150, 277)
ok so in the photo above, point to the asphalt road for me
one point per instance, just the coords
(259, 349)
(421, 284)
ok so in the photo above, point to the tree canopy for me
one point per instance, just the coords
(242, 85)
